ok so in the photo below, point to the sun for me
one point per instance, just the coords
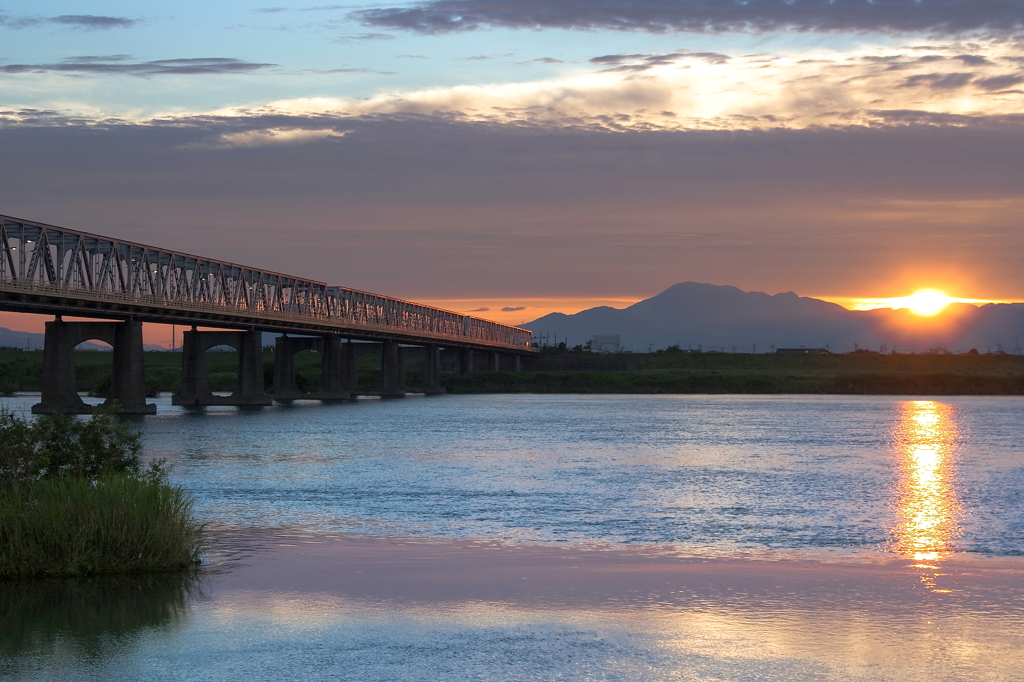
(927, 301)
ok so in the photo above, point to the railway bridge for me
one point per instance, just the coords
(52, 270)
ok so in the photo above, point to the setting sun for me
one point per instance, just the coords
(927, 301)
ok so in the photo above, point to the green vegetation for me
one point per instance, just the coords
(558, 370)
(676, 371)
(75, 500)
(22, 370)
(674, 381)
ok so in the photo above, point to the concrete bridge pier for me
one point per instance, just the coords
(432, 366)
(349, 368)
(285, 348)
(494, 361)
(331, 387)
(332, 371)
(195, 387)
(392, 370)
(127, 382)
(517, 363)
(465, 360)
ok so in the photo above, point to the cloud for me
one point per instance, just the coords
(704, 16)
(543, 60)
(999, 82)
(478, 310)
(354, 69)
(972, 59)
(120, 65)
(618, 62)
(263, 137)
(938, 81)
(645, 91)
(364, 36)
(571, 211)
(90, 22)
(509, 309)
(713, 91)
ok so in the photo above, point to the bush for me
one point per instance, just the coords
(76, 500)
(55, 446)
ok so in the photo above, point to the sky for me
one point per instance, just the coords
(522, 156)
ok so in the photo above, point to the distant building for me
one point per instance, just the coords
(802, 351)
(604, 344)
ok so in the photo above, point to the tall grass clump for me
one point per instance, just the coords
(76, 500)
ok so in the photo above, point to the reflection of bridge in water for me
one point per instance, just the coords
(53, 270)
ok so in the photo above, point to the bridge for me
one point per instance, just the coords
(52, 270)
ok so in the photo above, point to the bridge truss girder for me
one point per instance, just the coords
(54, 270)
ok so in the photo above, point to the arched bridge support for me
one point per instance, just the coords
(332, 368)
(127, 382)
(195, 387)
(427, 360)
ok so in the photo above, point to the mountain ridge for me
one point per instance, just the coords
(698, 315)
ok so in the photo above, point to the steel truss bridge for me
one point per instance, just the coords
(54, 270)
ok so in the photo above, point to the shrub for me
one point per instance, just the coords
(76, 500)
(55, 446)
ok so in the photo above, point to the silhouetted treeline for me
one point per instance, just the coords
(560, 370)
(683, 382)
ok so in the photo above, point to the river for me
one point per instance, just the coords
(568, 537)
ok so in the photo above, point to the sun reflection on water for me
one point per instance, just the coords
(927, 510)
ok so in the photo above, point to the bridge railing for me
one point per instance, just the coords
(48, 259)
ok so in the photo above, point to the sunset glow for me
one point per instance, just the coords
(928, 301)
(925, 302)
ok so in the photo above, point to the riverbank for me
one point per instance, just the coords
(561, 371)
(694, 382)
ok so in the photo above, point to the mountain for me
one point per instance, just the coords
(695, 315)
(23, 340)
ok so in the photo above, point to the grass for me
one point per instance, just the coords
(76, 500)
(73, 526)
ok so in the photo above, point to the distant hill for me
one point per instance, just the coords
(23, 340)
(695, 315)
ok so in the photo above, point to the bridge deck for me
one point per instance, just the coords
(53, 270)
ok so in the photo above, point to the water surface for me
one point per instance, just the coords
(575, 537)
